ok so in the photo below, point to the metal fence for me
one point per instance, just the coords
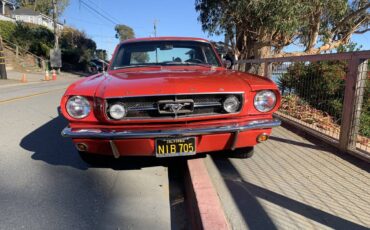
(327, 95)
(26, 59)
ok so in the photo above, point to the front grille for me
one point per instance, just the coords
(152, 106)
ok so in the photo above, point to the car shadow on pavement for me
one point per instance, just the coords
(317, 144)
(246, 195)
(47, 144)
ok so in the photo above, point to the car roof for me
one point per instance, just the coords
(164, 39)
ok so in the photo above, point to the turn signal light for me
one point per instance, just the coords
(262, 137)
(82, 147)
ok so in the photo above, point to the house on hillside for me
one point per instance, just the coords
(10, 12)
(31, 16)
(6, 10)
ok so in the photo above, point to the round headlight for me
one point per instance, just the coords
(78, 107)
(265, 101)
(117, 111)
(231, 104)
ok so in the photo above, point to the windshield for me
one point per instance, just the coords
(165, 53)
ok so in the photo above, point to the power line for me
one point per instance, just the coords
(85, 21)
(105, 12)
(97, 12)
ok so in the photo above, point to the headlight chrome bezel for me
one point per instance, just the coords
(268, 103)
(83, 102)
(237, 103)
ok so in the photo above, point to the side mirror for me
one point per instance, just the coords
(228, 64)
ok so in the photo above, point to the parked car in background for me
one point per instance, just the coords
(168, 97)
(97, 66)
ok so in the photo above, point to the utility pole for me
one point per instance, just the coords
(155, 35)
(155, 27)
(2, 61)
(55, 54)
(56, 38)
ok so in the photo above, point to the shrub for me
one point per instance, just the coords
(365, 113)
(7, 29)
(322, 85)
(77, 48)
(35, 39)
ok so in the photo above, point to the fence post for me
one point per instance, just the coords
(353, 97)
(3, 74)
(268, 70)
(43, 66)
(16, 52)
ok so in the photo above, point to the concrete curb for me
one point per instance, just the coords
(204, 207)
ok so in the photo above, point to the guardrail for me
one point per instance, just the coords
(327, 95)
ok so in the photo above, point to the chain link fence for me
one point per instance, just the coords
(327, 95)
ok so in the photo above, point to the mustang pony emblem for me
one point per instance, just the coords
(175, 107)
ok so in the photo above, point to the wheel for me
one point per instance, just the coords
(90, 158)
(242, 153)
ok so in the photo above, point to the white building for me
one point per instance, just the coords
(31, 16)
(9, 12)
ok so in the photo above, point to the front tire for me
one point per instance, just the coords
(242, 153)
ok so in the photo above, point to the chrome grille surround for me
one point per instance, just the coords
(147, 107)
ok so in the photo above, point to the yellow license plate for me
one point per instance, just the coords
(171, 147)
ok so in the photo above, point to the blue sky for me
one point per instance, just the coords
(174, 18)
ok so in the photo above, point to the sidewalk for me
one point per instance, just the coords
(293, 183)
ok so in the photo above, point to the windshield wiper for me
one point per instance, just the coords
(198, 64)
(133, 66)
(188, 63)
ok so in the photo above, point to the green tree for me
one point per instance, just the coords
(101, 54)
(77, 49)
(257, 29)
(124, 32)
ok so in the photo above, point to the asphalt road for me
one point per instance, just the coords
(45, 185)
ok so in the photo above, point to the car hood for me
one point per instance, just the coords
(163, 82)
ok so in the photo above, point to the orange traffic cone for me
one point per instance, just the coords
(54, 76)
(47, 76)
(24, 78)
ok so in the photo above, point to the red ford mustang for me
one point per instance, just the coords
(167, 97)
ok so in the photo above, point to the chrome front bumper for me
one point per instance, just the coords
(112, 134)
